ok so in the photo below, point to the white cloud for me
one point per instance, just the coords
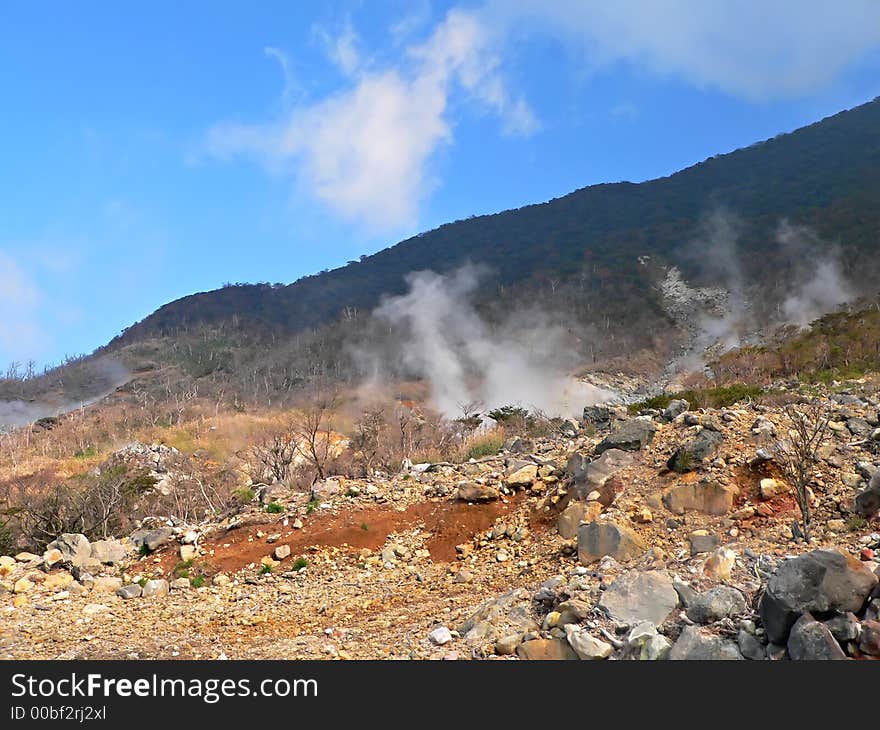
(341, 49)
(783, 48)
(365, 151)
(20, 334)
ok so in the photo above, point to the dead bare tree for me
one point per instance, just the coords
(797, 454)
(311, 429)
(275, 453)
(367, 436)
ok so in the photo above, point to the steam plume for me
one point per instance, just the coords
(445, 341)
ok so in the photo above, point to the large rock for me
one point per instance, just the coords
(693, 643)
(74, 548)
(545, 649)
(593, 476)
(152, 539)
(108, 551)
(571, 517)
(645, 644)
(695, 451)
(599, 416)
(867, 502)
(640, 596)
(715, 604)
(157, 587)
(816, 582)
(598, 539)
(473, 492)
(710, 498)
(675, 409)
(585, 645)
(632, 435)
(810, 640)
(523, 477)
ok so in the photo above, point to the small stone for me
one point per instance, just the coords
(153, 588)
(297, 524)
(506, 645)
(750, 647)
(22, 585)
(220, 580)
(180, 584)
(546, 649)
(440, 636)
(463, 576)
(645, 644)
(771, 488)
(132, 590)
(281, 552)
(718, 565)
(188, 552)
(23, 557)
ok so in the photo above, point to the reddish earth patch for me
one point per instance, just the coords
(449, 523)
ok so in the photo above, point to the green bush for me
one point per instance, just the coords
(488, 446)
(244, 495)
(274, 508)
(197, 582)
(300, 563)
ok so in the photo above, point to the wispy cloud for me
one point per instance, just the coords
(758, 51)
(365, 150)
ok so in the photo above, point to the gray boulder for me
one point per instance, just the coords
(152, 588)
(74, 548)
(132, 590)
(636, 597)
(692, 644)
(593, 476)
(598, 416)
(571, 517)
(108, 551)
(816, 582)
(810, 640)
(152, 539)
(598, 539)
(867, 502)
(750, 647)
(715, 604)
(631, 435)
(675, 409)
(694, 451)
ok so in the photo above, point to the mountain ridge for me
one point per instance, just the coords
(818, 175)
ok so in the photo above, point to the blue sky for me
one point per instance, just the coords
(150, 151)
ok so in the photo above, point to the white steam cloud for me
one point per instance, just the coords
(104, 377)
(820, 284)
(464, 360)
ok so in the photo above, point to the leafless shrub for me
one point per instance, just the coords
(797, 454)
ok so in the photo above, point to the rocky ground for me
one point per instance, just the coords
(665, 535)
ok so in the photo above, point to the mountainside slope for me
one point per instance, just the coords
(823, 175)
